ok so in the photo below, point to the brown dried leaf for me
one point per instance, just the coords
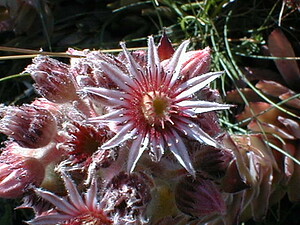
(235, 96)
(292, 126)
(271, 88)
(280, 46)
(260, 111)
(262, 74)
(263, 127)
(293, 102)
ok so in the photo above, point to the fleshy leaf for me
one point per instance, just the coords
(280, 46)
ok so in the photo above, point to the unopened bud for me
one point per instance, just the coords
(18, 172)
(29, 126)
(53, 79)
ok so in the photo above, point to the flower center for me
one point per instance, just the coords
(155, 107)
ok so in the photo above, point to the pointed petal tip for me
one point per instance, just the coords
(192, 171)
(83, 90)
(214, 73)
(122, 44)
(107, 146)
(131, 164)
(130, 167)
(151, 43)
(207, 48)
(219, 73)
(183, 45)
(185, 42)
(136, 150)
(150, 37)
(123, 135)
(189, 167)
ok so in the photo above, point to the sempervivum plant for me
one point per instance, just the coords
(272, 115)
(94, 120)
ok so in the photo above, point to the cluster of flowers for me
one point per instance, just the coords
(77, 155)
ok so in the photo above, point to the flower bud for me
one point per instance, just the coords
(53, 79)
(232, 182)
(212, 161)
(29, 126)
(196, 63)
(199, 197)
(43, 103)
(17, 172)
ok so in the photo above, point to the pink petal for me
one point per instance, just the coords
(58, 202)
(156, 145)
(114, 116)
(112, 96)
(175, 64)
(193, 130)
(133, 68)
(73, 194)
(49, 219)
(122, 80)
(153, 60)
(124, 134)
(195, 84)
(203, 106)
(91, 195)
(178, 148)
(136, 150)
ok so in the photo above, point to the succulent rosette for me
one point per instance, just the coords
(76, 149)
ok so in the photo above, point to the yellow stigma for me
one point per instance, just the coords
(155, 107)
